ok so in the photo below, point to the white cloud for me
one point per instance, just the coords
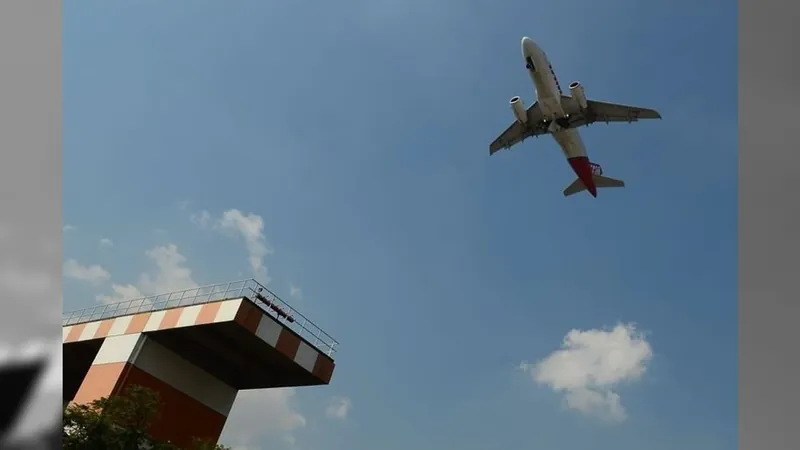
(121, 293)
(590, 364)
(249, 227)
(262, 414)
(170, 274)
(295, 292)
(68, 228)
(339, 408)
(106, 242)
(201, 219)
(93, 274)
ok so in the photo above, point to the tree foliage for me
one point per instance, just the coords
(119, 422)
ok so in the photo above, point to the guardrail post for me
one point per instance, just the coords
(180, 300)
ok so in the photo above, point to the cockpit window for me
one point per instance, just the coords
(530, 64)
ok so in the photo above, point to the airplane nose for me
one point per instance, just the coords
(528, 46)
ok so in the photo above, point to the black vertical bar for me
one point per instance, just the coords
(16, 383)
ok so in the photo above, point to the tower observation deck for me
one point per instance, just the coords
(197, 348)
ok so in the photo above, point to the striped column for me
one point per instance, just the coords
(194, 403)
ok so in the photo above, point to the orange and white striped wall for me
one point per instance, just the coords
(152, 349)
(195, 404)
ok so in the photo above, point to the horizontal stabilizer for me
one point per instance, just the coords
(599, 181)
(605, 182)
(574, 188)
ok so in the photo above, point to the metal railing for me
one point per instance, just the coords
(250, 288)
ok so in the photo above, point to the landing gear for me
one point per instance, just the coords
(554, 126)
(563, 122)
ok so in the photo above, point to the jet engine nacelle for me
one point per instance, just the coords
(520, 112)
(577, 93)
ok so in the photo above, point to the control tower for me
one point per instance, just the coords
(197, 348)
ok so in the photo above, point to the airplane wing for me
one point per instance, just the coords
(604, 112)
(518, 132)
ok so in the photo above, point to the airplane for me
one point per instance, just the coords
(560, 116)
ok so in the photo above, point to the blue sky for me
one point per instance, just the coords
(358, 132)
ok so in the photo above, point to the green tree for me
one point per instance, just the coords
(118, 422)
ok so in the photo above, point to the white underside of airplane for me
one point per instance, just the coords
(560, 116)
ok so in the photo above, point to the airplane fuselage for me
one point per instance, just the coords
(548, 97)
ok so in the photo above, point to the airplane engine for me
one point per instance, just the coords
(577, 93)
(520, 112)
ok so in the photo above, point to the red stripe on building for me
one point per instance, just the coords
(138, 323)
(75, 333)
(248, 316)
(288, 343)
(171, 318)
(208, 313)
(180, 417)
(100, 381)
(104, 329)
(323, 368)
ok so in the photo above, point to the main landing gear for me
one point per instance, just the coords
(562, 123)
